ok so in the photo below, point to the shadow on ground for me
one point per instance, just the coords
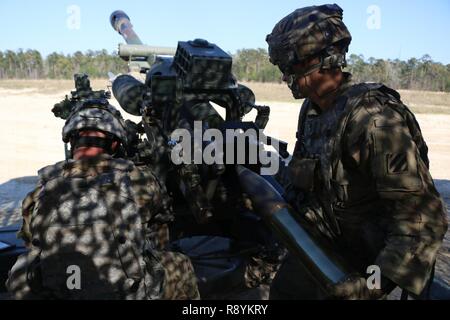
(12, 193)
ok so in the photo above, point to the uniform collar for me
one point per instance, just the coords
(345, 85)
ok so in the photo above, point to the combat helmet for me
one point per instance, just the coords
(95, 115)
(309, 32)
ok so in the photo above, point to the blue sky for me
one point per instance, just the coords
(407, 28)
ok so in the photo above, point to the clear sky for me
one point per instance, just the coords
(381, 29)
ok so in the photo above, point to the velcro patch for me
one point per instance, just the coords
(397, 163)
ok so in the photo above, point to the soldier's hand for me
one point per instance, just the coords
(354, 288)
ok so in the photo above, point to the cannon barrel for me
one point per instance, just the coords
(314, 253)
(133, 50)
(139, 56)
(121, 23)
(129, 92)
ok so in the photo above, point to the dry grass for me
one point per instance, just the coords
(49, 86)
(419, 101)
(427, 102)
(271, 92)
(426, 97)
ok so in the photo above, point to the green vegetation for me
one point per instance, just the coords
(254, 65)
(31, 65)
(249, 65)
(414, 74)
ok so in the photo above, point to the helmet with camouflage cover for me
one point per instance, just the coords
(96, 115)
(316, 31)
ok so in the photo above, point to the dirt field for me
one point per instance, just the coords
(30, 136)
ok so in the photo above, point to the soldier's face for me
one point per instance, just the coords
(307, 79)
(87, 152)
(313, 82)
(298, 78)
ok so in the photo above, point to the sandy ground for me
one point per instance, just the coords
(30, 138)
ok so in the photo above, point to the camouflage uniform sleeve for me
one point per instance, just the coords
(154, 203)
(28, 205)
(417, 219)
(150, 193)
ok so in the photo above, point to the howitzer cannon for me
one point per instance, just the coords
(138, 54)
(178, 91)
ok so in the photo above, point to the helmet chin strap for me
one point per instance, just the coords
(293, 80)
(295, 88)
(326, 63)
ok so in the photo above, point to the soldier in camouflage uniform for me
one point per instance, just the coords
(360, 169)
(103, 214)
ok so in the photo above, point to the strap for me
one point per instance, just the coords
(348, 100)
(301, 125)
(352, 97)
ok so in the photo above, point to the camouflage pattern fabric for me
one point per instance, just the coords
(86, 213)
(372, 173)
(96, 115)
(261, 270)
(180, 282)
(305, 33)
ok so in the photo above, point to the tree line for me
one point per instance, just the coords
(30, 64)
(413, 74)
(248, 65)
